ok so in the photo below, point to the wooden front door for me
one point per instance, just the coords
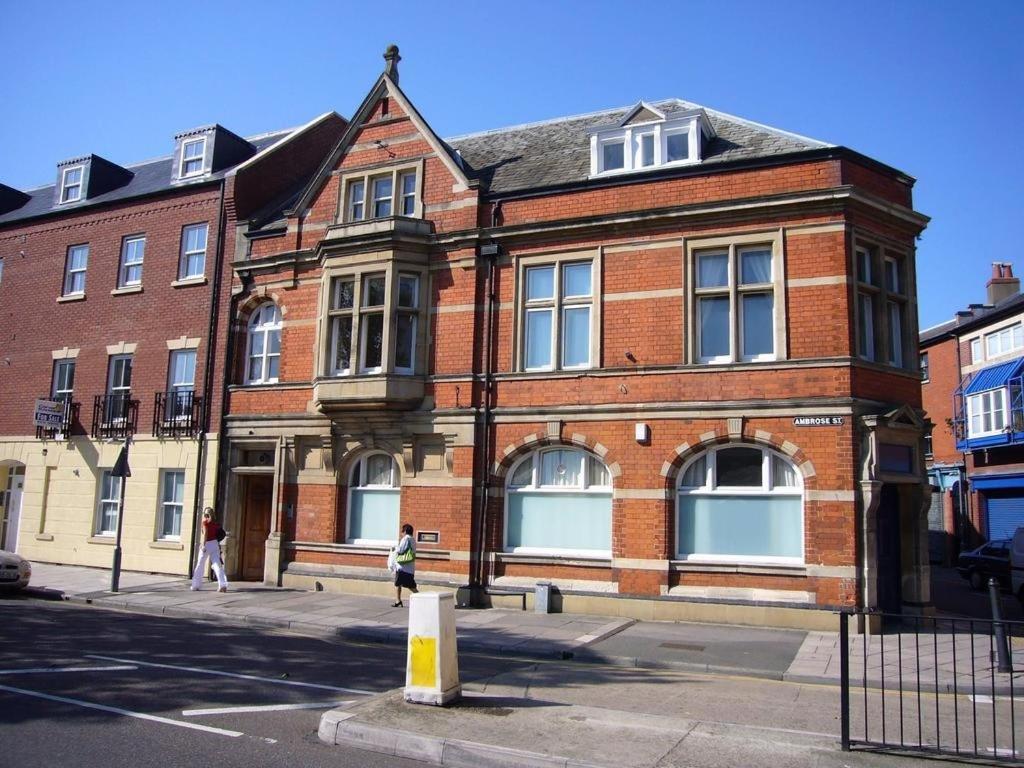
(255, 525)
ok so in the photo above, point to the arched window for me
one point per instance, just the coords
(559, 502)
(740, 503)
(264, 346)
(374, 500)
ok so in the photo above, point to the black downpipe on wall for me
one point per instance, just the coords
(204, 420)
(477, 576)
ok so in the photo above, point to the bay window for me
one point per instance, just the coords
(373, 322)
(883, 297)
(986, 413)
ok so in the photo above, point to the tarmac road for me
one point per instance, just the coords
(82, 687)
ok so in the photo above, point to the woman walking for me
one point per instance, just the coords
(405, 565)
(209, 549)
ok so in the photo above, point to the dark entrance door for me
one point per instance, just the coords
(890, 566)
(255, 526)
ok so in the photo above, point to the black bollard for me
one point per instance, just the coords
(1002, 648)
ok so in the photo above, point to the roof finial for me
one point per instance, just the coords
(392, 58)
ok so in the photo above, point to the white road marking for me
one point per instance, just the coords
(262, 708)
(201, 671)
(123, 712)
(37, 670)
(979, 699)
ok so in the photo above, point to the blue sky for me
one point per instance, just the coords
(935, 89)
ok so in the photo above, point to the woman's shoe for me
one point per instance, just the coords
(397, 605)
(222, 589)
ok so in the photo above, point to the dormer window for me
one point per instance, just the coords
(647, 139)
(192, 154)
(71, 185)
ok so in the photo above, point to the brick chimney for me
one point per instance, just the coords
(1002, 285)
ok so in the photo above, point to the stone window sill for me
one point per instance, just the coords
(766, 569)
(126, 290)
(70, 297)
(166, 544)
(187, 281)
(107, 540)
(44, 537)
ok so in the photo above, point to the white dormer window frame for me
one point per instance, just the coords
(645, 146)
(71, 189)
(187, 160)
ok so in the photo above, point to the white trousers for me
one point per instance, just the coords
(209, 551)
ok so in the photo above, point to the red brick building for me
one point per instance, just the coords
(115, 308)
(660, 356)
(972, 393)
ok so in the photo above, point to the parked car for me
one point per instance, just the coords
(990, 559)
(15, 572)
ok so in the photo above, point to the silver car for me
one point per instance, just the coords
(15, 571)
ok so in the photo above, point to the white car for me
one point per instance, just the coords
(15, 571)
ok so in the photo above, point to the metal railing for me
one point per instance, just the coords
(941, 686)
(68, 421)
(114, 415)
(177, 414)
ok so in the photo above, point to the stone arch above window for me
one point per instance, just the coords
(558, 501)
(740, 502)
(374, 499)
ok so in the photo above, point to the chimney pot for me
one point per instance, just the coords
(1002, 285)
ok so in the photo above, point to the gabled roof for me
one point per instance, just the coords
(150, 177)
(384, 86)
(557, 152)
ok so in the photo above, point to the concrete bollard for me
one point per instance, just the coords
(432, 662)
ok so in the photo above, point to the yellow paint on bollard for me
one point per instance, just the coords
(423, 651)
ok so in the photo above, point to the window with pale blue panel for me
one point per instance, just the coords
(375, 500)
(538, 338)
(742, 526)
(576, 280)
(374, 514)
(714, 327)
(559, 501)
(576, 329)
(743, 502)
(758, 337)
(540, 283)
(564, 521)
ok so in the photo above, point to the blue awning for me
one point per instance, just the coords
(995, 482)
(995, 376)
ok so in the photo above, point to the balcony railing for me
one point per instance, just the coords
(114, 415)
(69, 420)
(177, 414)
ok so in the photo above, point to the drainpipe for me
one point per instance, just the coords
(204, 417)
(491, 252)
(965, 494)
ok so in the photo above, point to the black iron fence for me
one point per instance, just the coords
(177, 414)
(114, 415)
(945, 686)
(68, 421)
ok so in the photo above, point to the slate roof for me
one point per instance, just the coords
(150, 177)
(979, 315)
(557, 152)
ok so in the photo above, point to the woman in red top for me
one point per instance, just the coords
(209, 549)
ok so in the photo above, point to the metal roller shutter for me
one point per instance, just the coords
(1005, 513)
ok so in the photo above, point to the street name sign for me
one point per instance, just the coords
(818, 421)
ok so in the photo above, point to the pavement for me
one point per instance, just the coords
(648, 693)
